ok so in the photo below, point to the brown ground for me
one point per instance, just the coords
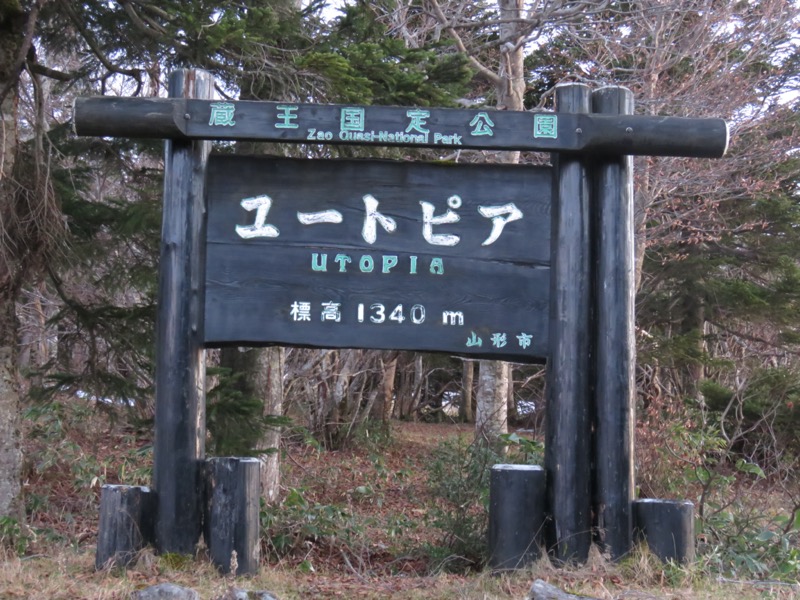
(384, 486)
(377, 488)
(376, 495)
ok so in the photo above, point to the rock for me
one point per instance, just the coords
(238, 594)
(541, 590)
(165, 591)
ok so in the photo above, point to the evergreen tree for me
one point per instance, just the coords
(29, 222)
(81, 217)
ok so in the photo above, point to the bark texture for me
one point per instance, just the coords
(491, 417)
(12, 35)
(10, 454)
(273, 405)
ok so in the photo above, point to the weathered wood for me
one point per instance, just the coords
(567, 448)
(231, 513)
(615, 350)
(127, 515)
(453, 297)
(517, 508)
(180, 361)
(115, 116)
(667, 526)
(400, 126)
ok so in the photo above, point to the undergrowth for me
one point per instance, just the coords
(458, 478)
(747, 531)
(747, 505)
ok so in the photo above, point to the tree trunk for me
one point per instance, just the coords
(273, 406)
(492, 417)
(10, 454)
(692, 326)
(465, 410)
(420, 394)
(511, 402)
(263, 378)
(404, 388)
(384, 403)
(11, 32)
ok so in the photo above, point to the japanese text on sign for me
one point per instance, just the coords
(353, 126)
(499, 216)
(379, 254)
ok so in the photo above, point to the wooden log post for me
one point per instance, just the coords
(657, 135)
(614, 343)
(667, 526)
(517, 507)
(567, 449)
(180, 359)
(232, 513)
(127, 516)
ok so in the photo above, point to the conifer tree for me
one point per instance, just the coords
(102, 197)
(29, 222)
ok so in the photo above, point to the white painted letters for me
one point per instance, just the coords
(500, 215)
(372, 218)
(261, 204)
(428, 221)
(323, 216)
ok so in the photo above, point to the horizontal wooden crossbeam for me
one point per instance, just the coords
(176, 118)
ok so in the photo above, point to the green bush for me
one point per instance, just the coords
(13, 536)
(234, 419)
(292, 527)
(744, 542)
(744, 528)
(458, 479)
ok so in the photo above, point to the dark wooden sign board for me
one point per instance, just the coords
(283, 270)
(455, 260)
(598, 134)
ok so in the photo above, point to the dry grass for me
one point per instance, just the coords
(68, 574)
(60, 563)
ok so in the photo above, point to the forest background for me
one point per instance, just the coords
(718, 273)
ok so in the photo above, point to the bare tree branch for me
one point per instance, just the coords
(95, 48)
(482, 69)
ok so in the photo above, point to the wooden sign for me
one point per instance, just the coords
(401, 126)
(407, 256)
(379, 254)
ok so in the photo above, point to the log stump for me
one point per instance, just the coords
(517, 501)
(127, 518)
(667, 526)
(232, 513)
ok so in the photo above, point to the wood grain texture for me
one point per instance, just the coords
(517, 513)
(614, 344)
(667, 526)
(175, 118)
(231, 514)
(568, 434)
(126, 524)
(502, 287)
(180, 359)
